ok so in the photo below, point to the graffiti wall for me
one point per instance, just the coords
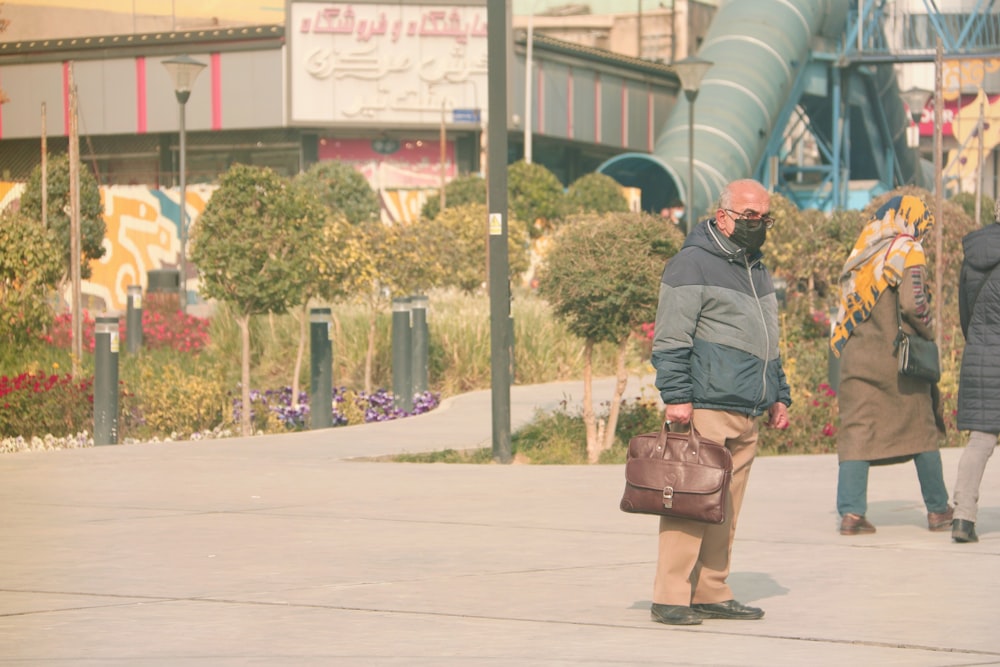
(143, 233)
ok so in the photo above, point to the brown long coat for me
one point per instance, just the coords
(884, 415)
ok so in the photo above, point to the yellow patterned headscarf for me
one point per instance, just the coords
(889, 244)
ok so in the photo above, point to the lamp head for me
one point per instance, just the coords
(183, 70)
(916, 99)
(690, 71)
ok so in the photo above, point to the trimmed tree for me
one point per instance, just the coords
(92, 227)
(253, 246)
(602, 279)
(470, 189)
(595, 193)
(342, 189)
(30, 267)
(457, 243)
(535, 196)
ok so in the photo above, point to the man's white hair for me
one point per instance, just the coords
(726, 198)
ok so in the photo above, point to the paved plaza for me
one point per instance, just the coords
(288, 550)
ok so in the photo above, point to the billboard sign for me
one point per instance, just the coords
(385, 63)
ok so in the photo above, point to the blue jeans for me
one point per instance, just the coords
(852, 484)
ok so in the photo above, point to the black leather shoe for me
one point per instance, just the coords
(729, 609)
(964, 531)
(674, 614)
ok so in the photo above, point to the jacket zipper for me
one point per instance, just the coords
(767, 340)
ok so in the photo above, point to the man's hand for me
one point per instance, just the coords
(680, 413)
(778, 413)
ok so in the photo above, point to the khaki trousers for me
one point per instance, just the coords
(693, 559)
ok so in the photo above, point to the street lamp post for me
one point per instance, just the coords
(183, 70)
(691, 70)
(915, 99)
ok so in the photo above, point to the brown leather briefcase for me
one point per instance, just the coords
(682, 475)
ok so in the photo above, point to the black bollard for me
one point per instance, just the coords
(321, 367)
(106, 345)
(418, 306)
(402, 364)
(133, 319)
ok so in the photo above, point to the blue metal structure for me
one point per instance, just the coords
(760, 50)
(797, 71)
(860, 127)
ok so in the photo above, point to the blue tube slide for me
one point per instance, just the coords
(758, 48)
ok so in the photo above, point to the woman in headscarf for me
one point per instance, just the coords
(886, 417)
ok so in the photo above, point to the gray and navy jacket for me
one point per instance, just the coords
(716, 339)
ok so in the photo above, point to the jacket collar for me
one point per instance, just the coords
(706, 235)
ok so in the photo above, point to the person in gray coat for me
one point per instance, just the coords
(979, 383)
(718, 368)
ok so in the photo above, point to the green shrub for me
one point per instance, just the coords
(555, 437)
(967, 200)
(343, 189)
(351, 409)
(461, 245)
(30, 267)
(535, 196)
(595, 193)
(170, 400)
(39, 404)
(470, 189)
(444, 456)
(560, 437)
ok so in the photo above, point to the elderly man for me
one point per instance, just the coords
(715, 351)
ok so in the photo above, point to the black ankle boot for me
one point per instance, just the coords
(964, 531)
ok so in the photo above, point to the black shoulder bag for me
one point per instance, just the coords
(917, 357)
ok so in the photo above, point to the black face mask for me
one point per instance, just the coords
(749, 239)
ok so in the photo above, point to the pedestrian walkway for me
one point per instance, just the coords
(287, 550)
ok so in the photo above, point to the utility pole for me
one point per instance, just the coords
(528, 102)
(45, 172)
(938, 187)
(499, 262)
(444, 155)
(638, 29)
(74, 223)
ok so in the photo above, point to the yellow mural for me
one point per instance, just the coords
(956, 74)
(963, 163)
(9, 193)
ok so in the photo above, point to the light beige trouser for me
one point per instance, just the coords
(693, 560)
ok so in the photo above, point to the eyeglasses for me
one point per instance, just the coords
(753, 218)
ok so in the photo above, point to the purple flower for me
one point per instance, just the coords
(378, 406)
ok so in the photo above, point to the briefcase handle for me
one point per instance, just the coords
(693, 439)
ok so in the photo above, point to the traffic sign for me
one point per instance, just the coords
(465, 115)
